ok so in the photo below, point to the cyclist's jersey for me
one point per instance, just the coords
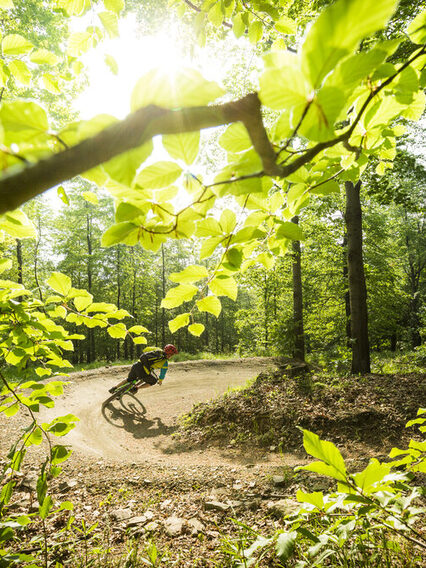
(155, 360)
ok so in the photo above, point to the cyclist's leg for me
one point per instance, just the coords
(131, 377)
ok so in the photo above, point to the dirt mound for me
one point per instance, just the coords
(368, 411)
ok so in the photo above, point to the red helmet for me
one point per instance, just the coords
(170, 350)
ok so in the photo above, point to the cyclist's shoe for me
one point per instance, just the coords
(134, 390)
(112, 390)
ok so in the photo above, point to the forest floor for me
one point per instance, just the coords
(143, 478)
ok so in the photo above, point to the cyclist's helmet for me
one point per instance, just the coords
(170, 350)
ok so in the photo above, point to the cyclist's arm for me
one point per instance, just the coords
(163, 372)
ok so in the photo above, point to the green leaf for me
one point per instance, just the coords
(190, 274)
(6, 4)
(127, 212)
(208, 227)
(235, 138)
(210, 304)
(325, 451)
(209, 246)
(183, 146)
(110, 22)
(234, 258)
(417, 29)
(7, 491)
(118, 331)
(45, 507)
(179, 321)
(224, 286)
(139, 340)
(74, 7)
(255, 31)
(120, 233)
(160, 174)
(372, 474)
(228, 221)
(285, 88)
(61, 283)
(196, 329)
(334, 35)
(289, 230)
(326, 188)
(286, 25)
(15, 44)
(238, 25)
(51, 84)
(62, 425)
(5, 264)
(215, 14)
(59, 454)
(285, 545)
(23, 120)
(62, 195)
(20, 71)
(35, 438)
(178, 295)
(185, 88)
(114, 5)
(16, 224)
(79, 43)
(44, 56)
(55, 388)
(112, 64)
(316, 498)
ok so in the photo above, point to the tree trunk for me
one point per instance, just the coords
(118, 258)
(20, 265)
(91, 333)
(266, 308)
(346, 295)
(37, 244)
(299, 334)
(357, 286)
(19, 261)
(163, 311)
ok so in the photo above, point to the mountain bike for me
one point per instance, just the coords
(126, 389)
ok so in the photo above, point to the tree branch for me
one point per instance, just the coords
(17, 187)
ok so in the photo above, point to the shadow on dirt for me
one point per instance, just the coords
(130, 414)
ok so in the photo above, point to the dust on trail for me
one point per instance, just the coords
(138, 429)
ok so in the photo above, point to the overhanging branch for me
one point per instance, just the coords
(139, 127)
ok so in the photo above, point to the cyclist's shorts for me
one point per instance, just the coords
(138, 373)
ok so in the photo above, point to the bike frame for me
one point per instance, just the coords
(124, 389)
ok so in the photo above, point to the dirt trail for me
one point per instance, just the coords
(138, 429)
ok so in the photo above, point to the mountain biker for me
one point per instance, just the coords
(142, 370)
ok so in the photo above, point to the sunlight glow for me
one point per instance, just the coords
(135, 56)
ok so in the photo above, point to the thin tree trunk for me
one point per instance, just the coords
(19, 262)
(299, 334)
(206, 333)
(91, 334)
(346, 287)
(163, 311)
(357, 286)
(40, 293)
(118, 291)
(266, 308)
(131, 344)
